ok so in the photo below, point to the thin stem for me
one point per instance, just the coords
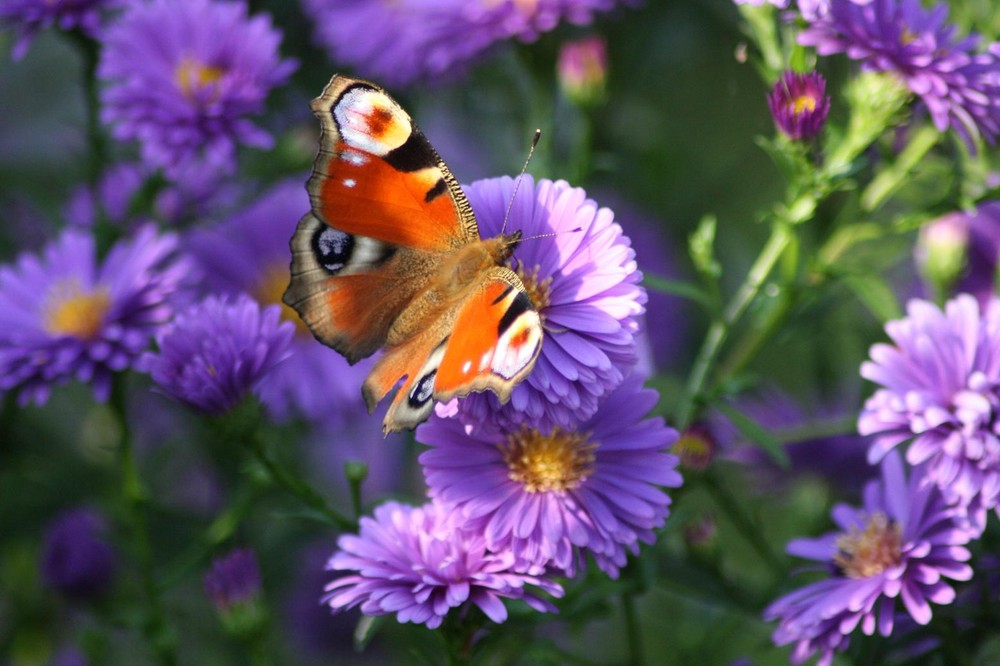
(295, 485)
(97, 148)
(721, 327)
(747, 526)
(158, 632)
(632, 629)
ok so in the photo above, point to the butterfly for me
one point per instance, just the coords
(390, 257)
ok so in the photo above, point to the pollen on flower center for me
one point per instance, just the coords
(193, 76)
(538, 290)
(803, 104)
(556, 461)
(865, 553)
(269, 290)
(74, 312)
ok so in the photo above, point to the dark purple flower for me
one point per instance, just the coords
(416, 562)
(959, 87)
(584, 282)
(64, 315)
(76, 560)
(182, 78)
(233, 580)
(941, 389)
(549, 495)
(799, 104)
(29, 17)
(218, 351)
(416, 40)
(314, 382)
(902, 544)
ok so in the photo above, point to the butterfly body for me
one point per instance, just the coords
(390, 258)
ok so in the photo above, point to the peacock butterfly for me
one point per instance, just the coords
(390, 258)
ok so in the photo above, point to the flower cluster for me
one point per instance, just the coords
(958, 84)
(30, 17)
(416, 40)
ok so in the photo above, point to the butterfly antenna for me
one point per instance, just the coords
(520, 176)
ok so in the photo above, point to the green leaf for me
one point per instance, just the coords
(677, 288)
(756, 434)
(366, 629)
(701, 245)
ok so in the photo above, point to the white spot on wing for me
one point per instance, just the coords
(466, 367)
(354, 112)
(350, 182)
(509, 360)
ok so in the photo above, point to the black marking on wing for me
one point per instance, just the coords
(422, 391)
(519, 306)
(332, 248)
(440, 187)
(415, 154)
(503, 295)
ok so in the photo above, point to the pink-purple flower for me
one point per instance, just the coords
(550, 496)
(583, 280)
(903, 545)
(64, 314)
(959, 86)
(940, 391)
(183, 77)
(418, 563)
(799, 104)
(215, 353)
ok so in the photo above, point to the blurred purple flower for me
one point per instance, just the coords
(959, 87)
(416, 40)
(75, 559)
(110, 199)
(29, 17)
(182, 77)
(64, 315)
(418, 563)
(902, 544)
(799, 104)
(218, 351)
(314, 382)
(780, 4)
(978, 234)
(582, 67)
(233, 579)
(548, 495)
(941, 389)
(585, 284)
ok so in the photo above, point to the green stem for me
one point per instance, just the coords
(97, 147)
(746, 525)
(721, 327)
(158, 632)
(632, 629)
(295, 485)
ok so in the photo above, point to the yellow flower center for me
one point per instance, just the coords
(269, 290)
(538, 290)
(192, 76)
(75, 312)
(803, 104)
(557, 461)
(865, 553)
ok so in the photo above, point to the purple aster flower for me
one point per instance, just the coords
(216, 352)
(63, 314)
(902, 544)
(799, 104)
(941, 389)
(584, 282)
(416, 39)
(233, 580)
(958, 86)
(548, 495)
(780, 4)
(30, 17)
(417, 563)
(76, 560)
(182, 77)
(313, 382)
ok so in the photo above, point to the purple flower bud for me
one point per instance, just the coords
(75, 560)
(799, 104)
